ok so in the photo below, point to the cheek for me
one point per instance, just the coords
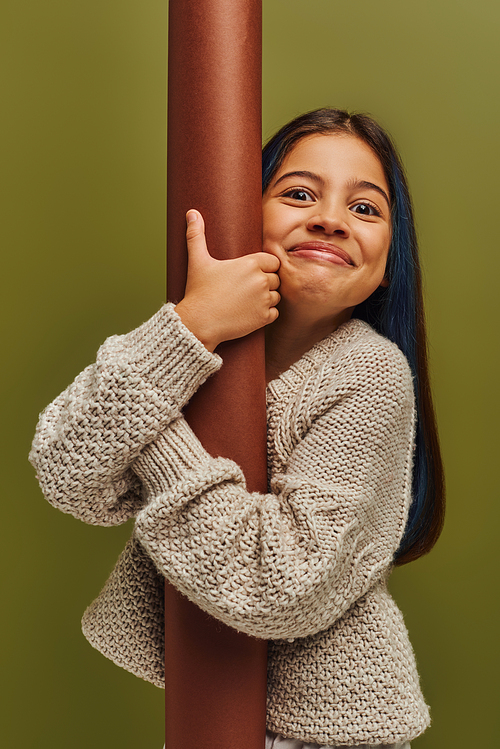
(378, 262)
(277, 223)
(268, 221)
(377, 247)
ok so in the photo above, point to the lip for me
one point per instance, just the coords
(310, 248)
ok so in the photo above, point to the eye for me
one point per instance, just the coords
(365, 209)
(303, 196)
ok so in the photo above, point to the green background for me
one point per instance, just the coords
(83, 232)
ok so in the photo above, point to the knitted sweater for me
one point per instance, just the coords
(304, 566)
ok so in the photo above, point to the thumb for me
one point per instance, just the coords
(195, 237)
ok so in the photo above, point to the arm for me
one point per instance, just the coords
(290, 562)
(88, 438)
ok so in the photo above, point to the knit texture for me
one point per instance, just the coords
(304, 566)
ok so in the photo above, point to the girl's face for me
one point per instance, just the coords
(326, 216)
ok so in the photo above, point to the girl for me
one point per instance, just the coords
(355, 472)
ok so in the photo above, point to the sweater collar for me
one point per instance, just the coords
(345, 334)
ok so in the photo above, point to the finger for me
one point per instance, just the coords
(195, 236)
(269, 263)
(274, 280)
(273, 314)
(275, 298)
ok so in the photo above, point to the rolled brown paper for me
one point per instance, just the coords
(215, 677)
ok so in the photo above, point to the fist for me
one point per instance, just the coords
(226, 299)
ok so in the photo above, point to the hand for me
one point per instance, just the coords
(226, 299)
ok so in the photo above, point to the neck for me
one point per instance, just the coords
(295, 332)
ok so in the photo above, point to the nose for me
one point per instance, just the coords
(329, 221)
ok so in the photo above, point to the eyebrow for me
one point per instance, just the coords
(353, 184)
(364, 185)
(309, 175)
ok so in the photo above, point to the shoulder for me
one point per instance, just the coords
(351, 372)
(356, 356)
(355, 383)
(355, 374)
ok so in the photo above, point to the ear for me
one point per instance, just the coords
(384, 282)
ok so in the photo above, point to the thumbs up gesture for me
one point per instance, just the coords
(226, 299)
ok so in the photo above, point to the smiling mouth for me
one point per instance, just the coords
(322, 251)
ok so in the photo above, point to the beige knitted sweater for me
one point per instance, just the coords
(304, 566)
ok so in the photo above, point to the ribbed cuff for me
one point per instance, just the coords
(174, 485)
(164, 462)
(165, 353)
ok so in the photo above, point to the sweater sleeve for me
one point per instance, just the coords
(289, 563)
(88, 438)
